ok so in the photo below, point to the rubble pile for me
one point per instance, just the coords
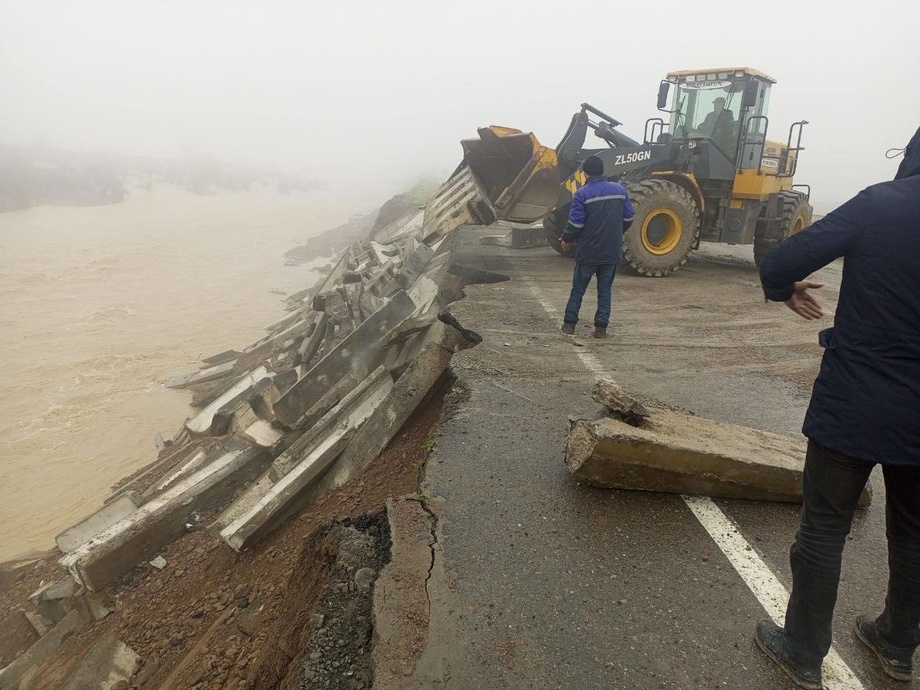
(281, 422)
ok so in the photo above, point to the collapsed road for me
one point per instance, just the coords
(544, 581)
(501, 570)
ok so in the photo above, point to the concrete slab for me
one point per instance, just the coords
(423, 292)
(676, 452)
(414, 265)
(223, 357)
(213, 373)
(359, 352)
(185, 468)
(437, 347)
(108, 662)
(111, 513)
(141, 535)
(281, 499)
(263, 434)
(41, 650)
(201, 423)
(350, 412)
(40, 625)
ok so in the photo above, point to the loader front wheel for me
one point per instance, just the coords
(796, 216)
(665, 229)
(553, 225)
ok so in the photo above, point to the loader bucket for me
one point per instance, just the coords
(519, 176)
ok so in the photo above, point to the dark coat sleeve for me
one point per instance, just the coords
(577, 218)
(815, 247)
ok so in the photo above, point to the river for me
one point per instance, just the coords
(100, 305)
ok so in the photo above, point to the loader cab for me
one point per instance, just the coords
(719, 117)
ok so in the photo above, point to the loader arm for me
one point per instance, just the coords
(524, 180)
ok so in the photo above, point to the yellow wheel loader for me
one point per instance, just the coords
(707, 173)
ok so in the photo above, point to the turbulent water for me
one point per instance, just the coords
(100, 305)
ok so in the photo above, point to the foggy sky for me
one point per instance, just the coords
(385, 90)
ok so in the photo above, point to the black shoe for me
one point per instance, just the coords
(897, 662)
(568, 328)
(600, 331)
(772, 640)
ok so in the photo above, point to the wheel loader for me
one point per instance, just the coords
(708, 172)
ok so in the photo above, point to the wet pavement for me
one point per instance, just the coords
(549, 583)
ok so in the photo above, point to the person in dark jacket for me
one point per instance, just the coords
(864, 410)
(600, 212)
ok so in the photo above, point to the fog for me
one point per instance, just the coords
(384, 91)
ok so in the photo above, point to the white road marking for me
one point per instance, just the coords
(756, 574)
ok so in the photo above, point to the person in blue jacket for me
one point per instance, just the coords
(600, 212)
(864, 410)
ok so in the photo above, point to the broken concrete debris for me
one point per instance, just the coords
(652, 447)
(280, 422)
(11, 675)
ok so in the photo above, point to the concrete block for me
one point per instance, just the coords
(107, 663)
(527, 236)
(111, 513)
(185, 468)
(310, 345)
(423, 292)
(407, 225)
(237, 395)
(160, 521)
(223, 357)
(330, 399)
(360, 352)
(52, 610)
(93, 606)
(675, 452)
(351, 411)
(286, 321)
(40, 651)
(262, 433)
(414, 265)
(298, 329)
(410, 389)
(39, 623)
(213, 373)
(279, 501)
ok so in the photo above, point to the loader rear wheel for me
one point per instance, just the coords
(553, 225)
(665, 230)
(795, 217)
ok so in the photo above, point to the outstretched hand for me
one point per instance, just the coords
(803, 303)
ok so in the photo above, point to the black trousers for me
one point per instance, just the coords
(832, 485)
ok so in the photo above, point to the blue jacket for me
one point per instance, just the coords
(866, 399)
(601, 210)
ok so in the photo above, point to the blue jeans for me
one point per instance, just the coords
(580, 281)
(832, 484)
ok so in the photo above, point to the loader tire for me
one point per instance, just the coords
(796, 216)
(665, 230)
(553, 225)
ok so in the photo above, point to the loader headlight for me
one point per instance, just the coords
(691, 144)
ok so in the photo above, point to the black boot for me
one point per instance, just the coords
(568, 328)
(897, 662)
(600, 331)
(772, 640)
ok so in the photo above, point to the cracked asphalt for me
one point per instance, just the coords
(543, 582)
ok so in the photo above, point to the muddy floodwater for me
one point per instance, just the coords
(100, 305)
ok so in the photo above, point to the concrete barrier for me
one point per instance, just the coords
(675, 452)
